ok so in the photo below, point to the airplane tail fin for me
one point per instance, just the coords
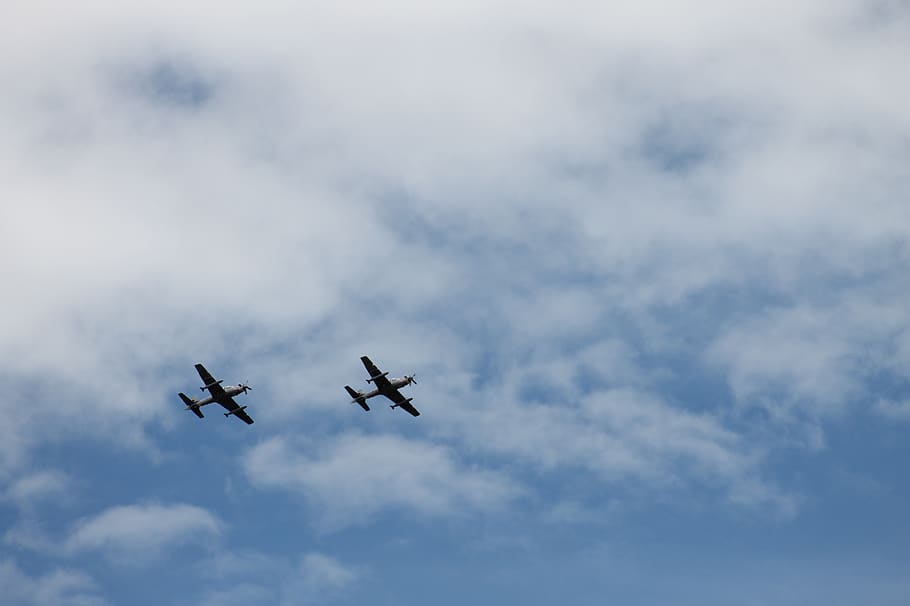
(189, 404)
(357, 397)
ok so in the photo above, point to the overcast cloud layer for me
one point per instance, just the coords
(647, 262)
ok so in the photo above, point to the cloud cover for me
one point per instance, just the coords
(353, 477)
(653, 247)
(533, 187)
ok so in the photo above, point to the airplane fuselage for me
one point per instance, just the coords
(229, 392)
(393, 385)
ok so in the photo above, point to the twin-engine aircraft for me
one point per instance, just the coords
(384, 387)
(217, 393)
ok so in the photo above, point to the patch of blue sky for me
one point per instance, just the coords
(167, 82)
(667, 150)
(515, 557)
(177, 84)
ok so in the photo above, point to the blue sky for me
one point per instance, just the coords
(648, 264)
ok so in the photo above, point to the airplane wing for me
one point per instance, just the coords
(235, 410)
(402, 402)
(379, 380)
(207, 379)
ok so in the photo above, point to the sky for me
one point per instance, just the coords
(647, 260)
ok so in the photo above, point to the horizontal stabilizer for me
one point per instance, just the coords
(190, 404)
(357, 397)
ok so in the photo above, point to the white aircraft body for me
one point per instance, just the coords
(384, 387)
(218, 394)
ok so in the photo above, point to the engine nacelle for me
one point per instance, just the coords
(204, 387)
(235, 411)
(372, 379)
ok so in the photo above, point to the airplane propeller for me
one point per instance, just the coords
(245, 387)
(412, 379)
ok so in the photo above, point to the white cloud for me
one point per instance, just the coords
(56, 588)
(621, 437)
(356, 180)
(561, 217)
(814, 360)
(31, 534)
(133, 533)
(319, 579)
(260, 578)
(127, 534)
(38, 486)
(891, 409)
(354, 477)
(321, 571)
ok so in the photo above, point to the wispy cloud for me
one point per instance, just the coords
(258, 577)
(56, 588)
(38, 486)
(321, 571)
(134, 533)
(353, 477)
(815, 359)
(899, 411)
(623, 435)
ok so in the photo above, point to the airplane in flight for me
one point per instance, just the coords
(384, 387)
(217, 393)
